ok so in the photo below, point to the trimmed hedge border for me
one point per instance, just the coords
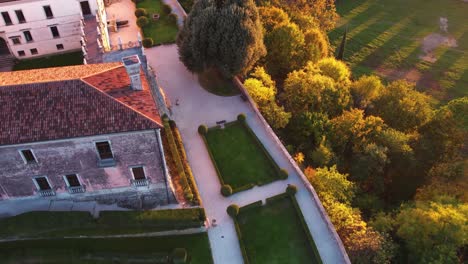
(188, 170)
(241, 241)
(253, 205)
(203, 130)
(188, 194)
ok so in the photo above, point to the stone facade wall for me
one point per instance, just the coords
(79, 156)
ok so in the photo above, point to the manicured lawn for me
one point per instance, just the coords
(386, 36)
(66, 59)
(238, 156)
(57, 224)
(162, 31)
(273, 234)
(106, 250)
(214, 83)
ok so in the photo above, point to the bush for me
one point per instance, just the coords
(284, 174)
(172, 18)
(142, 21)
(179, 255)
(166, 9)
(139, 12)
(148, 42)
(202, 129)
(241, 117)
(233, 210)
(291, 189)
(226, 190)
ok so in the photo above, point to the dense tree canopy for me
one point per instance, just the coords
(222, 35)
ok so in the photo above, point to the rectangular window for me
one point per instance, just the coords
(48, 12)
(42, 183)
(28, 156)
(6, 18)
(33, 51)
(21, 53)
(16, 41)
(72, 180)
(20, 16)
(60, 46)
(28, 36)
(138, 173)
(55, 32)
(104, 150)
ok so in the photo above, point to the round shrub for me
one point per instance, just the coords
(148, 42)
(172, 18)
(202, 129)
(291, 189)
(226, 190)
(166, 9)
(233, 210)
(139, 12)
(142, 21)
(284, 174)
(179, 256)
(241, 117)
(172, 123)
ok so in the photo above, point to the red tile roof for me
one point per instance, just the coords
(89, 100)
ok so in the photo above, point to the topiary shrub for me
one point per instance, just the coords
(148, 42)
(241, 117)
(142, 21)
(233, 210)
(179, 256)
(172, 18)
(202, 129)
(226, 190)
(291, 189)
(139, 12)
(284, 174)
(166, 9)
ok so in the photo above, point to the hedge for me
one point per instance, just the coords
(241, 241)
(142, 21)
(243, 188)
(188, 171)
(276, 197)
(218, 173)
(226, 190)
(251, 206)
(232, 210)
(188, 194)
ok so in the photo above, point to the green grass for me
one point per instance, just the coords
(273, 234)
(214, 83)
(162, 31)
(66, 59)
(106, 250)
(387, 34)
(57, 224)
(238, 156)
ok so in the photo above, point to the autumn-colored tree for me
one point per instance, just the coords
(365, 90)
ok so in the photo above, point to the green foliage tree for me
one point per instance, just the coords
(222, 35)
(307, 129)
(365, 90)
(341, 50)
(331, 184)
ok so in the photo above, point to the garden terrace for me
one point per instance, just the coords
(162, 30)
(240, 159)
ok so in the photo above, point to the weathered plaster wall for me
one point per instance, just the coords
(79, 155)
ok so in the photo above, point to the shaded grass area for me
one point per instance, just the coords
(214, 83)
(388, 34)
(238, 157)
(162, 31)
(106, 250)
(56, 224)
(186, 5)
(273, 234)
(66, 59)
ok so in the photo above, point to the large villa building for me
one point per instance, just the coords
(81, 133)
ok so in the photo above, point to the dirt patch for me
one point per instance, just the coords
(422, 80)
(432, 42)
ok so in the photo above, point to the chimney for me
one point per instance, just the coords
(132, 65)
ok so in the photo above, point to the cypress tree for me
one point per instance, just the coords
(341, 51)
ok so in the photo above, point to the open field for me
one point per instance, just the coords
(405, 39)
(106, 250)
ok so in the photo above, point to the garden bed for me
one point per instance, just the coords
(240, 159)
(164, 29)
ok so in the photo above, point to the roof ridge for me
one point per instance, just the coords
(121, 103)
(103, 71)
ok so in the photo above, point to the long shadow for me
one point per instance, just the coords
(460, 88)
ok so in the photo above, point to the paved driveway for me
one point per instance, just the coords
(196, 106)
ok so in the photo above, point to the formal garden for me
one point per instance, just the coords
(240, 159)
(275, 232)
(159, 26)
(194, 249)
(60, 60)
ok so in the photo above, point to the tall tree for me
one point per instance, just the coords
(341, 50)
(221, 35)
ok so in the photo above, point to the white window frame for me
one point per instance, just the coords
(37, 185)
(97, 151)
(24, 159)
(77, 176)
(138, 166)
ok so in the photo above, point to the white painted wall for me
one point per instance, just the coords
(67, 16)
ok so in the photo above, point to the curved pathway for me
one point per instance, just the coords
(196, 106)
